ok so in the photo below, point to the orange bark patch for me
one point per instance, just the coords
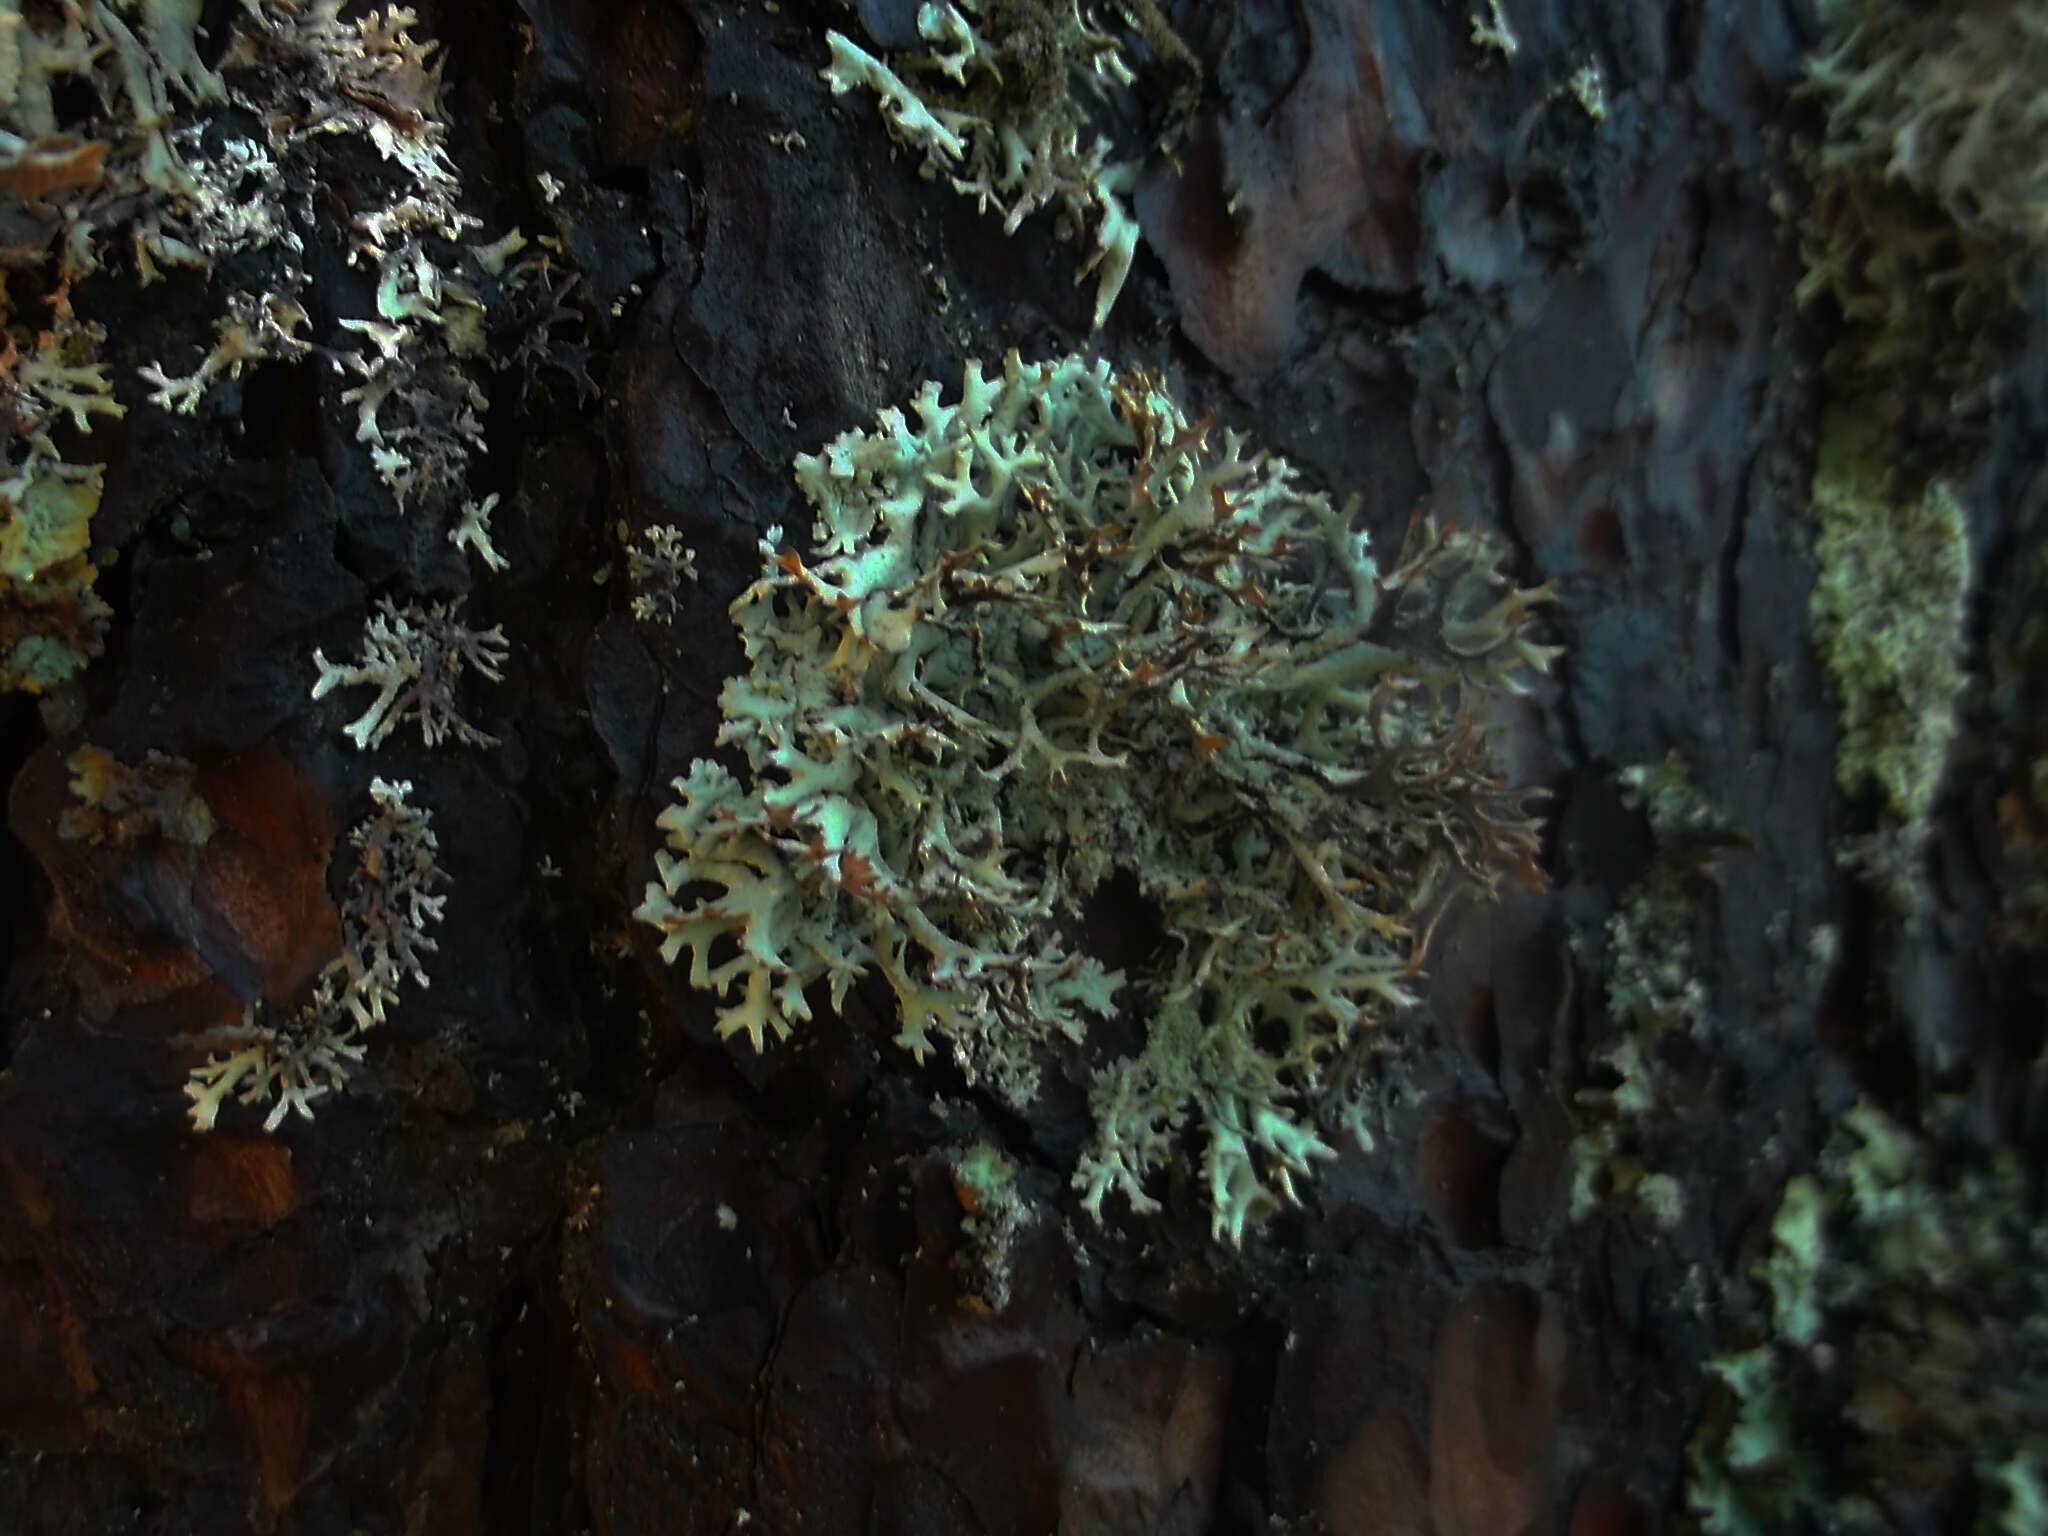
(243, 1180)
(265, 877)
(51, 164)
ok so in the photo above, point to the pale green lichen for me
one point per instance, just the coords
(1680, 815)
(1588, 87)
(994, 111)
(1056, 634)
(1911, 1271)
(1888, 608)
(994, 1216)
(292, 1060)
(658, 562)
(1798, 1250)
(2025, 1510)
(473, 532)
(415, 658)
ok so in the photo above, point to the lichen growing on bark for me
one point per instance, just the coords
(1056, 635)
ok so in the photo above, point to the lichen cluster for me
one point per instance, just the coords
(1889, 607)
(1929, 204)
(1906, 1365)
(1654, 997)
(122, 149)
(51, 620)
(658, 562)
(1053, 636)
(415, 658)
(1937, 97)
(989, 103)
(1929, 195)
(393, 899)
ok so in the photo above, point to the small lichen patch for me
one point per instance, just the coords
(657, 564)
(994, 109)
(393, 899)
(1889, 604)
(415, 659)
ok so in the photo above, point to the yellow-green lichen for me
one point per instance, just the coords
(1888, 607)
(51, 620)
(1904, 1363)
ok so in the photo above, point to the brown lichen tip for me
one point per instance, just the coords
(1052, 634)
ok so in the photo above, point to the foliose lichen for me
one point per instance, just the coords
(393, 899)
(1888, 607)
(1905, 1365)
(1053, 634)
(994, 110)
(121, 147)
(415, 658)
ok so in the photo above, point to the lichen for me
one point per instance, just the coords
(415, 658)
(1909, 1264)
(123, 150)
(1653, 991)
(1057, 635)
(994, 110)
(1951, 101)
(1889, 605)
(52, 622)
(119, 805)
(393, 899)
(1928, 202)
(473, 532)
(657, 564)
(994, 1215)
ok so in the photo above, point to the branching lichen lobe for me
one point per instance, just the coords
(1054, 633)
